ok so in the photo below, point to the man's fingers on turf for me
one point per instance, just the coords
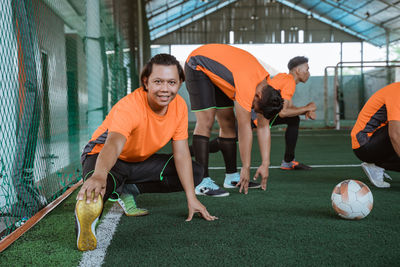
(243, 188)
(256, 176)
(264, 186)
(190, 216)
(264, 183)
(209, 217)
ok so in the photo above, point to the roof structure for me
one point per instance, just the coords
(373, 21)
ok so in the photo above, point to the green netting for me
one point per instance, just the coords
(54, 77)
(357, 84)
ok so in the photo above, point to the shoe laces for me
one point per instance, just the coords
(129, 201)
(234, 177)
(208, 182)
(387, 176)
(378, 172)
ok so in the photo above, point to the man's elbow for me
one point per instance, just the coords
(394, 137)
(394, 131)
(283, 113)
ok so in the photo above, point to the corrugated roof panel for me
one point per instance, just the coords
(373, 32)
(321, 8)
(394, 24)
(348, 20)
(335, 13)
(353, 5)
(389, 13)
(371, 8)
(362, 26)
(180, 15)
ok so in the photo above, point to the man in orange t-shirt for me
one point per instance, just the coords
(219, 78)
(289, 115)
(286, 84)
(122, 151)
(375, 137)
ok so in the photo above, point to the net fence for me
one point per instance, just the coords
(352, 85)
(50, 59)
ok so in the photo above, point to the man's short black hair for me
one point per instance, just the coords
(271, 102)
(161, 59)
(296, 61)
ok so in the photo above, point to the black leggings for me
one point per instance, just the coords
(156, 174)
(379, 150)
(291, 134)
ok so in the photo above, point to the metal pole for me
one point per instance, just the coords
(94, 65)
(388, 70)
(326, 97)
(362, 89)
(337, 111)
(140, 35)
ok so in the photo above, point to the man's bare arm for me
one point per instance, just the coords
(394, 134)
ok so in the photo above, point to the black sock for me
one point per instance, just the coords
(214, 146)
(200, 150)
(291, 135)
(228, 149)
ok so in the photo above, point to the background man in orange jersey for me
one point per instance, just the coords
(289, 115)
(286, 83)
(123, 149)
(375, 136)
(219, 78)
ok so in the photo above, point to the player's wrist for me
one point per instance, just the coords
(190, 195)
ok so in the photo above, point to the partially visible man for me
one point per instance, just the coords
(289, 115)
(286, 84)
(227, 82)
(376, 135)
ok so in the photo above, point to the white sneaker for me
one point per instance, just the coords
(232, 179)
(375, 174)
(208, 187)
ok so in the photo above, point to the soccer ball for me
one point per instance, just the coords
(352, 199)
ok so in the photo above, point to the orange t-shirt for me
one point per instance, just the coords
(146, 132)
(383, 106)
(285, 83)
(235, 71)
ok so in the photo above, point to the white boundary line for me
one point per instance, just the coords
(311, 135)
(313, 166)
(104, 234)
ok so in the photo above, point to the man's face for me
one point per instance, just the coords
(303, 72)
(162, 86)
(256, 103)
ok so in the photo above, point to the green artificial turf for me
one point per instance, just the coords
(290, 224)
(51, 242)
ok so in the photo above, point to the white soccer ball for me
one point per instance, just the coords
(352, 199)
